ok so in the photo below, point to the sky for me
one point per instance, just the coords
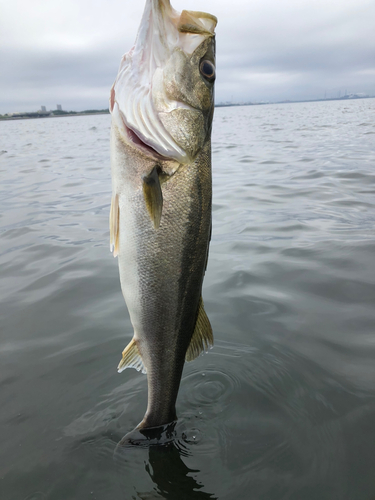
(68, 51)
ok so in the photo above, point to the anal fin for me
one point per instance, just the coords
(153, 196)
(202, 337)
(131, 358)
(114, 225)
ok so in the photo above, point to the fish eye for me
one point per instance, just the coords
(207, 70)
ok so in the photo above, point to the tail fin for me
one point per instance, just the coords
(148, 436)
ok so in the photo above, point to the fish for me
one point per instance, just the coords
(162, 105)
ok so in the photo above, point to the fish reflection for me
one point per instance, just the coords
(167, 470)
(172, 477)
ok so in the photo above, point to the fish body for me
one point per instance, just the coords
(160, 222)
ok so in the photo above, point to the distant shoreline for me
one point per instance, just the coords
(226, 105)
(221, 105)
(68, 113)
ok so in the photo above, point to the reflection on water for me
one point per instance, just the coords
(172, 477)
(283, 407)
(169, 474)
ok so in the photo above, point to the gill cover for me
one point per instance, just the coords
(147, 99)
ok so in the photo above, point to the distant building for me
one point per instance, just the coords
(59, 108)
(355, 96)
(42, 111)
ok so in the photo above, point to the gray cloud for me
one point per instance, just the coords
(265, 50)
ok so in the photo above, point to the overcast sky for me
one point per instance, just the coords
(68, 51)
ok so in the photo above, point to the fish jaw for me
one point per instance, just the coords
(149, 109)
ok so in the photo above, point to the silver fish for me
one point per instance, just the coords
(162, 105)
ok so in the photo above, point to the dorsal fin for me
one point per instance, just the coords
(131, 358)
(202, 337)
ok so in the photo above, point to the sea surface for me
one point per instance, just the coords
(283, 407)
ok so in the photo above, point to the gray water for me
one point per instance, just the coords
(283, 407)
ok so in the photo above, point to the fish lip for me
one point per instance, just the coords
(134, 140)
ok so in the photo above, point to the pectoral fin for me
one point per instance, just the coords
(202, 337)
(131, 358)
(153, 196)
(114, 225)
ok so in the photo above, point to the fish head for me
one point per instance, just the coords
(162, 100)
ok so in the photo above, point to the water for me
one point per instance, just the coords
(283, 407)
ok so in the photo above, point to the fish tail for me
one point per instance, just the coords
(150, 436)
